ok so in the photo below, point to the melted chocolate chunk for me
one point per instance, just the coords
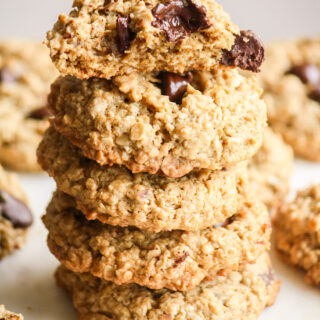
(178, 19)
(247, 52)
(125, 34)
(40, 114)
(307, 73)
(226, 222)
(7, 76)
(315, 94)
(14, 210)
(174, 86)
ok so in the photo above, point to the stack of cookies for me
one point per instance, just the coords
(153, 126)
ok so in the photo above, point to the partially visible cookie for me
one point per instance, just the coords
(103, 39)
(291, 79)
(297, 232)
(270, 170)
(15, 216)
(178, 260)
(156, 203)
(141, 122)
(7, 315)
(233, 295)
(26, 73)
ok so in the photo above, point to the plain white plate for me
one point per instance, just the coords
(27, 284)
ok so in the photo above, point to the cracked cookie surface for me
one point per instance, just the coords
(178, 260)
(131, 121)
(103, 38)
(291, 79)
(15, 217)
(26, 73)
(235, 295)
(297, 232)
(156, 203)
(269, 171)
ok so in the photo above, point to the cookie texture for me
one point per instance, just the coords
(297, 231)
(291, 79)
(115, 196)
(7, 315)
(238, 295)
(270, 170)
(25, 76)
(130, 121)
(15, 217)
(103, 39)
(178, 260)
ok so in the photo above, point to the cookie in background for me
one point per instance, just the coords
(26, 73)
(297, 233)
(291, 79)
(15, 216)
(270, 170)
(7, 315)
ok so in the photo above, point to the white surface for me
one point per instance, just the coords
(271, 19)
(27, 284)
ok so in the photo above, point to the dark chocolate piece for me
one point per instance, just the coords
(247, 52)
(315, 94)
(307, 73)
(40, 114)
(14, 210)
(178, 19)
(125, 34)
(174, 86)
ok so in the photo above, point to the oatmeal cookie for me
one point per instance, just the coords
(7, 315)
(106, 38)
(297, 231)
(291, 79)
(25, 76)
(238, 295)
(115, 196)
(178, 260)
(215, 120)
(15, 217)
(270, 170)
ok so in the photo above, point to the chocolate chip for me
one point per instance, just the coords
(247, 52)
(315, 94)
(14, 210)
(125, 34)
(174, 86)
(178, 19)
(7, 76)
(181, 259)
(307, 73)
(41, 113)
(225, 223)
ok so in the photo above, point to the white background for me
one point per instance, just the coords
(26, 282)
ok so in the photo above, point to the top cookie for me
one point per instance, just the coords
(291, 79)
(25, 76)
(106, 38)
(138, 120)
